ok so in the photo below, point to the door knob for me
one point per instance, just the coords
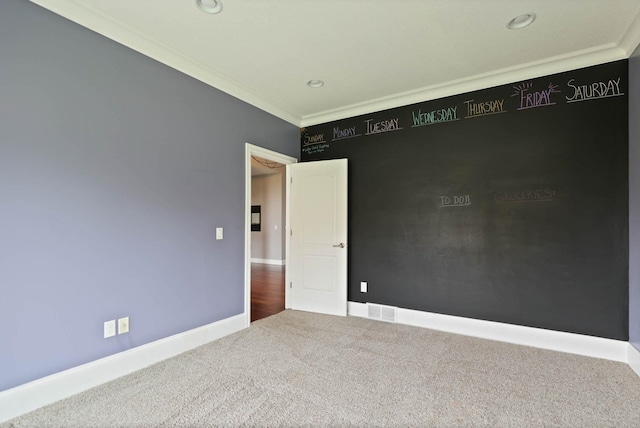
(341, 245)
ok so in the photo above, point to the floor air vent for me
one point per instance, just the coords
(381, 312)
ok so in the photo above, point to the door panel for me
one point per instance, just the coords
(318, 237)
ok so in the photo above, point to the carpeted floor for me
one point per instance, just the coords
(303, 369)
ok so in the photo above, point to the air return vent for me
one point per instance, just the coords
(381, 312)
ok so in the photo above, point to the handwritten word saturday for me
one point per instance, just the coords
(594, 90)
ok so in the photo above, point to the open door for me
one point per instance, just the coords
(317, 270)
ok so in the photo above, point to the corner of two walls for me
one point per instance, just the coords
(634, 199)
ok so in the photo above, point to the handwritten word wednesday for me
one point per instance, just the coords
(421, 118)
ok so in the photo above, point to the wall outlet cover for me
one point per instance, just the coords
(363, 287)
(123, 325)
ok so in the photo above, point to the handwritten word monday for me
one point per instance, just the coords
(531, 99)
(421, 118)
(382, 126)
(484, 108)
(342, 133)
(594, 90)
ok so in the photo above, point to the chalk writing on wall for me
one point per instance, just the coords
(594, 90)
(529, 98)
(484, 108)
(344, 133)
(382, 126)
(453, 201)
(448, 114)
(528, 195)
(313, 143)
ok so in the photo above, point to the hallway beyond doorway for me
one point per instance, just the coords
(267, 290)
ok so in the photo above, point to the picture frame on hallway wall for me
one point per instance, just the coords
(255, 218)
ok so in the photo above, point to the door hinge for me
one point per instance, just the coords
(291, 285)
(290, 232)
(291, 180)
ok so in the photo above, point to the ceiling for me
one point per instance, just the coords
(371, 54)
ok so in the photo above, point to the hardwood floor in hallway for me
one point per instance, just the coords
(267, 290)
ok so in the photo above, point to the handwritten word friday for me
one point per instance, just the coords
(531, 99)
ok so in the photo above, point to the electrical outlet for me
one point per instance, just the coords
(109, 328)
(363, 287)
(219, 233)
(123, 325)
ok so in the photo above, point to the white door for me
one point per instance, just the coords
(317, 271)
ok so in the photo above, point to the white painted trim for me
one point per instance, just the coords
(634, 359)
(252, 150)
(630, 37)
(33, 395)
(589, 346)
(91, 18)
(559, 64)
(269, 262)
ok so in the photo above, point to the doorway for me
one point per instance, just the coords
(266, 248)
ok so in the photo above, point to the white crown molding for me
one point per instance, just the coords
(33, 395)
(630, 38)
(589, 346)
(559, 64)
(102, 24)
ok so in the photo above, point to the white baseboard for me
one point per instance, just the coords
(634, 359)
(579, 344)
(268, 261)
(33, 395)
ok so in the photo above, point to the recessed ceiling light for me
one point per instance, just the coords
(209, 6)
(315, 83)
(521, 21)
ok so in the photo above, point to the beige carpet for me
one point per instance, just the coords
(302, 369)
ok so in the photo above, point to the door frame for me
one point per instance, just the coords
(253, 150)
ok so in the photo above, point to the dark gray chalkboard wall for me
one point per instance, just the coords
(508, 204)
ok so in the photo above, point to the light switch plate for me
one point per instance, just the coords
(109, 328)
(219, 233)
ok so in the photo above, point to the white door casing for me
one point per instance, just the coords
(253, 150)
(317, 265)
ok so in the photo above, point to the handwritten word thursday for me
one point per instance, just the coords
(484, 108)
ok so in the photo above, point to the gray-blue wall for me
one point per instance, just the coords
(115, 171)
(634, 199)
